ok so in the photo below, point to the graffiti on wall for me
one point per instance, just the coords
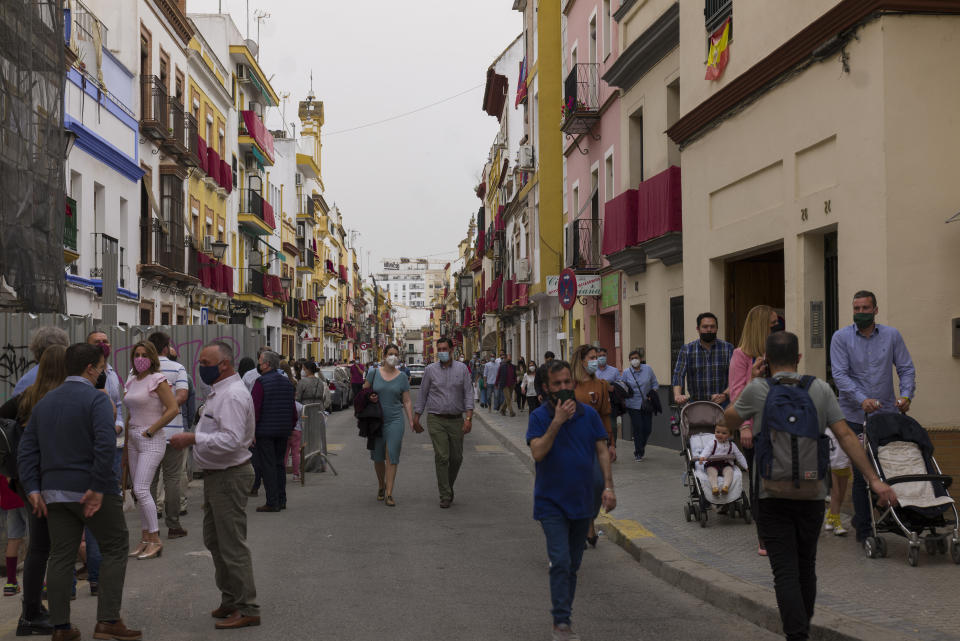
(14, 363)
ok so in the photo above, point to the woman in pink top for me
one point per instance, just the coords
(761, 320)
(151, 405)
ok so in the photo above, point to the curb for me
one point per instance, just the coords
(746, 600)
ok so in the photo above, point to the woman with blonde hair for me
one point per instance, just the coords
(593, 391)
(151, 405)
(761, 320)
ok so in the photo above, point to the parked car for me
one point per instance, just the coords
(341, 393)
(416, 374)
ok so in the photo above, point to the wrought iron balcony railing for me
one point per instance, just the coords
(581, 98)
(583, 244)
(154, 114)
(715, 12)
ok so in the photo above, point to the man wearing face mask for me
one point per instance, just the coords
(446, 394)
(113, 386)
(221, 449)
(704, 365)
(862, 358)
(506, 381)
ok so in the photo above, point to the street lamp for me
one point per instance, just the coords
(285, 282)
(69, 137)
(219, 249)
(466, 289)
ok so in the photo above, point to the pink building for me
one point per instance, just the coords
(591, 126)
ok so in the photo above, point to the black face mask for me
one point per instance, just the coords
(708, 337)
(259, 371)
(779, 327)
(101, 380)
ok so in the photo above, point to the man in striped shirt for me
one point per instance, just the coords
(703, 364)
(173, 459)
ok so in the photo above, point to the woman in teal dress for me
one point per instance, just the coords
(392, 389)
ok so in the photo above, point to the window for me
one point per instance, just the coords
(593, 40)
(178, 85)
(607, 30)
(673, 115)
(636, 147)
(575, 202)
(608, 176)
(233, 166)
(715, 12)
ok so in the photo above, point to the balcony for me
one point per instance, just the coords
(256, 214)
(175, 142)
(254, 288)
(715, 12)
(583, 245)
(191, 154)
(213, 274)
(154, 107)
(306, 209)
(70, 252)
(162, 250)
(581, 99)
(252, 132)
(645, 223)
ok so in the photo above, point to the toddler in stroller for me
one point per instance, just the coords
(718, 457)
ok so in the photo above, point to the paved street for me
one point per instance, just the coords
(651, 497)
(339, 565)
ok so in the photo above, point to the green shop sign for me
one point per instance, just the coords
(610, 290)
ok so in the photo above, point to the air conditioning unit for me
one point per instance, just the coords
(242, 74)
(525, 159)
(208, 243)
(299, 179)
(250, 163)
(523, 269)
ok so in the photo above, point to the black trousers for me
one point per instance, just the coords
(790, 530)
(35, 565)
(269, 451)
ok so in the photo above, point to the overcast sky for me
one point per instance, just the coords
(405, 185)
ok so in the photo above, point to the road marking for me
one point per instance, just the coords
(203, 553)
(335, 447)
(628, 528)
(426, 446)
(489, 448)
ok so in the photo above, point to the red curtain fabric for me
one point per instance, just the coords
(268, 215)
(202, 152)
(213, 164)
(660, 206)
(259, 133)
(226, 176)
(620, 222)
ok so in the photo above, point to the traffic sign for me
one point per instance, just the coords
(364, 346)
(567, 289)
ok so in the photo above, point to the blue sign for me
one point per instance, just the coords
(204, 315)
(567, 289)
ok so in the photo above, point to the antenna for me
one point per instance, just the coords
(260, 16)
(311, 95)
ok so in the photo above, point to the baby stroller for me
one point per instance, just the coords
(697, 422)
(901, 453)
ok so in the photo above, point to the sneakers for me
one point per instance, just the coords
(94, 588)
(11, 589)
(637, 458)
(832, 523)
(564, 632)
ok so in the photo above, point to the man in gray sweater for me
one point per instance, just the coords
(66, 468)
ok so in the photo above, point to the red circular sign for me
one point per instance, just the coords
(364, 346)
(567, 289)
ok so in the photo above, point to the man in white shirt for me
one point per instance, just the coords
(172, 465)
(490, 376)
(221, 445)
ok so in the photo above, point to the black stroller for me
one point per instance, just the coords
(901, 453)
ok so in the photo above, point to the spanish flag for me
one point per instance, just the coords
(719, 51)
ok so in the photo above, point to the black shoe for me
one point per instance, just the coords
(183, 512)
(592, 540)
(94, 588)
(283, 505)
(39, 626)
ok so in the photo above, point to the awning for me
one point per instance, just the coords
(258, 157)
(147, 184)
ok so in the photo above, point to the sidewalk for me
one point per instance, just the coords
(858, 598)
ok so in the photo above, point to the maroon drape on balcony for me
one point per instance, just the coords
(660, 206)
(343, 273)
(523, 294)
(226, 176)
(202, 152)
(620, 222)
(259, 133)
(268, 215)
(499, 224)
(213, 164)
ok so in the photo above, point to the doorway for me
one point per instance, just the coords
(750, 281)
(606, 325)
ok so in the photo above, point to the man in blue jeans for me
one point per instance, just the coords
(567, 439)
(862, 358)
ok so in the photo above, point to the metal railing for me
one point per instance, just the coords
(176, 136)
(253, 281)
(715, 12)
(314, 456)
(153, 107)
(251, 202)
(585, 244)
(161, 243)
(192, 142)
(581, 89)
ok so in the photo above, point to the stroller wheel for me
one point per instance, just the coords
(881, 547)
(955, 551)
(686, 513)
(870, 547)
(913, 555)
(703, 518)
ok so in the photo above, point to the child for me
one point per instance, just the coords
(14, 516)
(721, 445)
(840, 472)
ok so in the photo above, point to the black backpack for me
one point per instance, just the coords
(10, 433)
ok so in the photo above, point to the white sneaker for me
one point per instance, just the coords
(838, 529)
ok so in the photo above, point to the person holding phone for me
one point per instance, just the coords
(567, 439)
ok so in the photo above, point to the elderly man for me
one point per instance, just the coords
(490, 378)
(446, 394)
(276, 415)
(220, 449)
(42, 338)
(66, 467)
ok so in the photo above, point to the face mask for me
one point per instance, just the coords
(708, 337)
(533, 369)
(592, 366)
(779, 327)
(101, 380)
(304, 373)
(259, 370)
(602, 361)
(863, 319)
(443, 356)
(209, 373)
(392, 360)
(105, 349)
(634, 362)
(141, 364)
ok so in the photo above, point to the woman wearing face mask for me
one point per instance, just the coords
(312, 388)
(761, 320)
(641, 380)
(594, 392)
(391, 389)
(520, 371)
(528, 387)
(151, 405)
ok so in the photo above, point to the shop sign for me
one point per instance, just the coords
(587, 285)
(610, 290)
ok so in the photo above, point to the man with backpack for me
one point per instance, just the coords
(791, 414)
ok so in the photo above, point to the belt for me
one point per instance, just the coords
(447, 415)
(207, 473)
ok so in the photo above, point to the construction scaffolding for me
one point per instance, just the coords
(32, 150)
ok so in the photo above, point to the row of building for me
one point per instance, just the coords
(712, 155)
(181, 206)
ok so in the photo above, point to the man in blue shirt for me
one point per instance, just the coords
(567, 440)
(862, 359)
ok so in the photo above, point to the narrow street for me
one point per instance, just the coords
(340, 565)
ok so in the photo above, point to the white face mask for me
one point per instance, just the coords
(634, 362)
(392, 360)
